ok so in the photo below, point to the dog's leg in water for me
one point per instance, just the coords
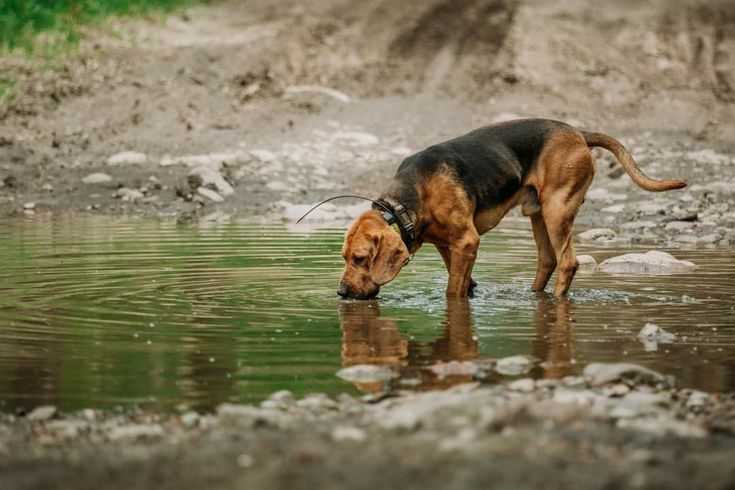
(444, 252)
(462, 255)
(546, 255)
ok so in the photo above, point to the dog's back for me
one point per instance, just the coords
(491, 162)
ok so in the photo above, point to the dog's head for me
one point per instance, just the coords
(373, 253)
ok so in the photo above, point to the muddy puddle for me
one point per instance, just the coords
(103, 313)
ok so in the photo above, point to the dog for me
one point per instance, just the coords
(452, 193)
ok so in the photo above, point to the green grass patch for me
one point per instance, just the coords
(6, 89)
(22, 20)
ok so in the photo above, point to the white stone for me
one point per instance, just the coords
(212, 176)
(128, 195)
(586, 262)
(210, 194)
(513, 365)
(637, 225)
(97, 178)
(208, 159)
(365, 373)
(597, 233)
(134, 432)
(128, 158)
(43, 412)
(348, 433)
(651, 262)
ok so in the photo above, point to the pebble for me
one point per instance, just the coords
(524, 385)
(134, 432)
(97, 178)
(209, 194)
(598, 373)
(513, 365)
(29, 205)
(128, 195)
(365, 373)
(47, 188)
(651, 262)
(43, 412)
(455, 368)
(212, 177)
(127, 158)
(597, 234)
(586, 262)
(653, 333)
(189, 419)
(348, 433)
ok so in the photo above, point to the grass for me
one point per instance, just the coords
(21, 21)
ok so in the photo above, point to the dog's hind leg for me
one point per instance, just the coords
(546, 255)
(559, 211)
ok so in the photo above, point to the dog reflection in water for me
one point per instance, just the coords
(368, 338)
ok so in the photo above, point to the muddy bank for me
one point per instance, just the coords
(618, 426)
(241, 113)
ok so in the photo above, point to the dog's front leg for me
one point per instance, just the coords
(462, 258)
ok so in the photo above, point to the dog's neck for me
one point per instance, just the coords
(403, 201)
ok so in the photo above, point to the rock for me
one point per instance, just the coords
(128, 195)
(598, 373)
(455, 368)
(651, 262)
(597, 234)
(348, 433)
(317, 89)
(524, 385)
(29, 205)
(365, 373)
(210, 194)
(282, 398)
(189, 419)
(586, 262)
(47, 188)
(513, 365)
(134, 432)
(97, 178)
(679, 225)
(127, 158)
(653, 333)
(41, 413)
(208, 176)
(317, 402)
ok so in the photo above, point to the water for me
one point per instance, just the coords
(104, 312)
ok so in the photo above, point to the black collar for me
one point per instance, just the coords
(397, 217)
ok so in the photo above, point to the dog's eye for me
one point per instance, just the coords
(358, 260)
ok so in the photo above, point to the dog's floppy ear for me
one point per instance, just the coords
(391, 256)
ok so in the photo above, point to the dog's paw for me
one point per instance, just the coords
(471, 289)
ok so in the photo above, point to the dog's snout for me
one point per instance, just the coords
(342, 290)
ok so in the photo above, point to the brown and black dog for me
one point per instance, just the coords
(451, 193)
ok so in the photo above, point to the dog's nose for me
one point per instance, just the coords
(342, 290)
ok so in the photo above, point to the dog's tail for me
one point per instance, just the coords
(631, 168)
